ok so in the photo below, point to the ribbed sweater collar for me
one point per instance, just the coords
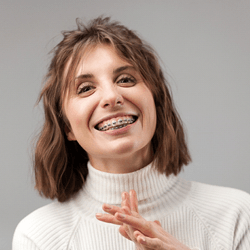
(107, 187)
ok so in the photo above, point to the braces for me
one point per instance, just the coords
(121, 123)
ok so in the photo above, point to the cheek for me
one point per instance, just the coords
(148, 103)
(79, 113)
(152, 119)
(147, 108)
(74, 114)
(150, 111)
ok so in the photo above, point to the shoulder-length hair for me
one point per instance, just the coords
(60, 165)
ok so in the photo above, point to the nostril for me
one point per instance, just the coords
(119, 100)
(118, 104)
(111, 99)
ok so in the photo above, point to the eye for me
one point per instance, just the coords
(85, 89)
(126, 80)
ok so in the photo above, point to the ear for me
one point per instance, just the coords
(70, 134)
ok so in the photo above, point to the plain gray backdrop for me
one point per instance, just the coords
(205, 52)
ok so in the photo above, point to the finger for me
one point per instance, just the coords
(108, 218)
(140, 238)
(123, 232)
(158, 223)
(152, 243)
(133, 200)
(111, 209)
(138, 223)
(137, 233)
(125, 200)
(126, 210)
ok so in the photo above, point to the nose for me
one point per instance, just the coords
(111, 97)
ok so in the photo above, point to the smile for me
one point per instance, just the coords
(116, 123)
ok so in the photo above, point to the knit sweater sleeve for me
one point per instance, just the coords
(47, 228)
(225, 212)
(244, 242)
(22, 241)
(242, 225)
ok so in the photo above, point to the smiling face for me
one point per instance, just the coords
(111, 112)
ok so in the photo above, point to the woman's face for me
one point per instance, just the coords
(111, 111)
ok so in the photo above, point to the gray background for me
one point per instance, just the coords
(205, 49)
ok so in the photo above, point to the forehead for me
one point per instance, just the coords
(92, 59)
(99, 58)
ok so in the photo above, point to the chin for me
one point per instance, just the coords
(129, 148)
(123, 149)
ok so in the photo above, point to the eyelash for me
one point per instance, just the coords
(127, 81)
(84, 89)
(127, 78)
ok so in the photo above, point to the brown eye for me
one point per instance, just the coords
(126, 81)
(84, 89)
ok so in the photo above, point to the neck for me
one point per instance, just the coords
(107, 187)
(122, 164)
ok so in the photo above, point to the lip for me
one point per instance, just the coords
(113, 116)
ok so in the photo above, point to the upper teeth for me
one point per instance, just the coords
(115, 123)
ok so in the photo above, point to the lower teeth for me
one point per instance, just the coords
(121, 126)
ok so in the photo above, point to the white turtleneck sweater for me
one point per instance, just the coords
(201, 216)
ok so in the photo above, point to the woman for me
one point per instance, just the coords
(113, 142)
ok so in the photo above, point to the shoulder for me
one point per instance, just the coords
(218, 197)
(49, 227)
(223, 211)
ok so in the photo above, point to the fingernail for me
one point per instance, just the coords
(108, 207)
(123, 196)
(121, 216)
(98, 215)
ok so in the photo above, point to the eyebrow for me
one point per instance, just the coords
(116, 71)
(120, 69)
(84, 76)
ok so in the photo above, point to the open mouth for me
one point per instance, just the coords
(116, 123)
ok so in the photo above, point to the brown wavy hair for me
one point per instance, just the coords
(60, 165)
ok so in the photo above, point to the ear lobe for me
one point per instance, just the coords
(70, 134)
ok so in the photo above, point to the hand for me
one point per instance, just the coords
(145, 234)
